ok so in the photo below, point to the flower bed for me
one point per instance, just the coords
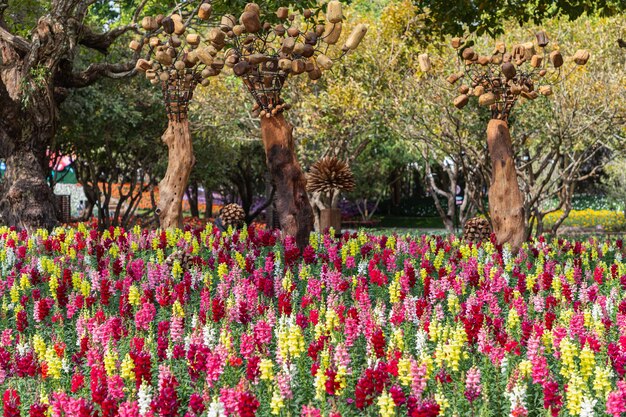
(609, 220)
(198, 323)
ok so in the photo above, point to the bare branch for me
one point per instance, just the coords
(139, 10)
(95, 72)
(102, 41)
(18, 43)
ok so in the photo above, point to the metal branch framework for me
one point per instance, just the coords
(265, 55)
(499, 80)
(178, 57)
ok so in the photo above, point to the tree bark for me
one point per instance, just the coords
(26, 200)
(292, 201)
(27, 125)
(179, 164)
(330, 217)
(506, 202)
(192, 198)
(208, 199)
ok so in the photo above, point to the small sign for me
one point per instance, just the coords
(459, 200)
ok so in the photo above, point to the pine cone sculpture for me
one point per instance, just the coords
(184, 259)
(477, 229)
(329, 174)
(232, 215)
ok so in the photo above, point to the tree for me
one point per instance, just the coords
(38, 70)
(230, 157)
(574, 134)
(458, 17)
(265, 57)
(112, 129)
(558, 141)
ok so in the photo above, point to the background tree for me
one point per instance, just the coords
(112, 131)
(457, 17)
(450, 144)
(230, 153)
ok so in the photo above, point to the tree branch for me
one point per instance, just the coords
(102, 41)
(21, 45)
(94, 72)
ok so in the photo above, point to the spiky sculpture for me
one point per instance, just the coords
(477, 229)
(328, 175)
(232, 215)
(325, 180)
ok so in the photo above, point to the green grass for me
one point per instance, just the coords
(411, 222)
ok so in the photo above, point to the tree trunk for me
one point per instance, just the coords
(208, 199)
(192, 198)
(28, 114)
(179, 164)
(506, 202)
(292, 201)
(26, 200)
(330, 217)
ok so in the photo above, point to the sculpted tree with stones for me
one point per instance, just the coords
(499, 81)
(264, 56)
(178, 59)
(37, 72)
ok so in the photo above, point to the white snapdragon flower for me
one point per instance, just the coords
(209, 336)
(216, 409)
(587, 407)
(420, 341)
(517, 397)
(144, 398)
(362, 268)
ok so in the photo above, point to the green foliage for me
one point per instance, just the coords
(113, 129)
(36, 81)
(457, 17)
(22, 15)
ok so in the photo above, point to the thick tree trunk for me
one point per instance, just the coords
(506, 202)
(26, 200)
(27, 125)
(179, 164)
(292, 201)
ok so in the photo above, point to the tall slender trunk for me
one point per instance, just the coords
(506, 202)
(192, 198)
(179, 164)
(208, 199)
(292, 201)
